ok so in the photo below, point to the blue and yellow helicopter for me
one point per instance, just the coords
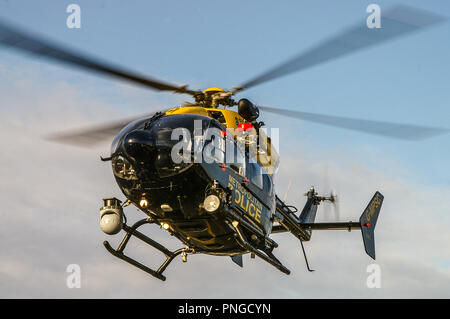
(226, 203)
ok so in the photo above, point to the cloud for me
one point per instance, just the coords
(51, 195)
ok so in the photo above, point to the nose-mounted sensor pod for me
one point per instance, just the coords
(111, 216)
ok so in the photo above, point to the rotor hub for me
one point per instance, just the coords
(214, 97)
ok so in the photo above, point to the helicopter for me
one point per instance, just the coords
(224, 204)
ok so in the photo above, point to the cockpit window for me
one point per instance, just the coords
(236, 159)
(123, 169)
(176, 137)
(129, 127)
(255, 174)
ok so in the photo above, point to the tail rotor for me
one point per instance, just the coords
(331, 212)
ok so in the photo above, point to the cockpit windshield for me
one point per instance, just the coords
(180, 140)
(175, 140)
(128, 128)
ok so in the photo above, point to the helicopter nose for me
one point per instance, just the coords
(139, 145)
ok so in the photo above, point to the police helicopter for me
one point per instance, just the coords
(225, 203)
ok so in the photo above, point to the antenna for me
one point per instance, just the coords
(287, 190)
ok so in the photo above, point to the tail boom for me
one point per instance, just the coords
(297, 226)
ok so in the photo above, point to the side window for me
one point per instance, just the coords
(214, 150)
(238, 161)
(255, 174)
(267, 184)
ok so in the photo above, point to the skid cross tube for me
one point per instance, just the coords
(132, 231)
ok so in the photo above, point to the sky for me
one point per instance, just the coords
(52, 193)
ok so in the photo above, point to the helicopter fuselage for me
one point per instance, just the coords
(173, 194)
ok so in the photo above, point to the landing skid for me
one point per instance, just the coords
(132, 231)
(266, 256)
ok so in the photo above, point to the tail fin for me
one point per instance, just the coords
(368, 220)
(308, 214)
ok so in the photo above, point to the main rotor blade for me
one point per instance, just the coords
(90, 136)
(396, 22)
(393, 130)
(12, 37)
